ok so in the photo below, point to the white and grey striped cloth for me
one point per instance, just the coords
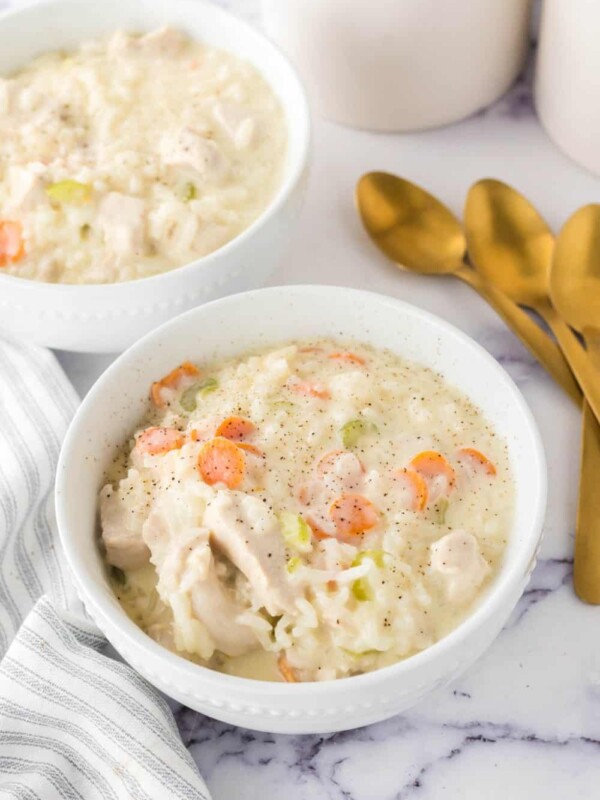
(73, 723)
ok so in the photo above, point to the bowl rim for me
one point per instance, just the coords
(498, 593)
(292, 174)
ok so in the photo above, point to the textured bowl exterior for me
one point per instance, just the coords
(231, 326)
(108, 318)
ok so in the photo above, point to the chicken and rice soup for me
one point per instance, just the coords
(132, 156)
(306, 513)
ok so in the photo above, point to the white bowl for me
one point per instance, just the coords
(230, 327)
(108, 318)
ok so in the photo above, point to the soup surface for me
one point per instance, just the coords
(131, 156)
(306, 513)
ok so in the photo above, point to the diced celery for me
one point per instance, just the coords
(118, 576)
(293, 564)
(377, 556)
(189, 192)
(440, 510)
(354, 430)
(283, 405)
(189, 399)
(69, 191)
(361, 590)
(296, 531)
(359, 654)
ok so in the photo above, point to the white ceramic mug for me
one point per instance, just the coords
(567, 86)
(402, 64)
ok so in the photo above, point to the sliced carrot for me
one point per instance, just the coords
(12, 248)
(312, 349)
(318, 532)
(310, 390)
(194, 435)
(352, 514)
(479, 458)
(172, 381)
(287, 672)
(235, 428)
(250, 448)
(221, 461)
(418, 487)
(431, 464)
(353, 358)
(153, 441)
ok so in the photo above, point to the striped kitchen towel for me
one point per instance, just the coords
(74, 723)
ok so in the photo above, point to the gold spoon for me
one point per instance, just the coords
(519, 260)
(512, 247)
(418, 233)
(575, 292)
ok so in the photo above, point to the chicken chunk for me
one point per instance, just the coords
(195, 155)
(185, 566)
(121, 532)
(250, 537)
(26, 189)
(238, 123)
(218, 609)
(162, 43)
(122, 220)
(457, 559)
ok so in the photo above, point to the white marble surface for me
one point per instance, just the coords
(524, 722)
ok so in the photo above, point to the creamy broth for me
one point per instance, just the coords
(309, 512)
(131, 156)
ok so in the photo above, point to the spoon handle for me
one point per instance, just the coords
(533, 337)
(586, 570)
(580, 361)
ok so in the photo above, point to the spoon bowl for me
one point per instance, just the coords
(575, 278)
(509, 241)
(412, 227)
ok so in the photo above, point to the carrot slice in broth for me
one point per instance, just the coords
(431, 464)
(479, 458)
(222, 461)
(418, 487)
(235, 428)
(12, 248)
(352, 514)
(250, 448)
(352, 358)
(287, 672)
(310, 390)
(156, 440)
(172, 381)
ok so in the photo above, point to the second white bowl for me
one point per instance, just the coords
(110, 317)
(230, 327)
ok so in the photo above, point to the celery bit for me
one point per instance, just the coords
(377, 556)
(293, 564)
(354, 430)
(189, 399)
(361, 588)
(296, 531)
(440, 509)
(189, 192)
(69, 191)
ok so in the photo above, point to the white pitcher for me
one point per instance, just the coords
(567, 86)
(402, 64)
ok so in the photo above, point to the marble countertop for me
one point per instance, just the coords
(524, 722)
